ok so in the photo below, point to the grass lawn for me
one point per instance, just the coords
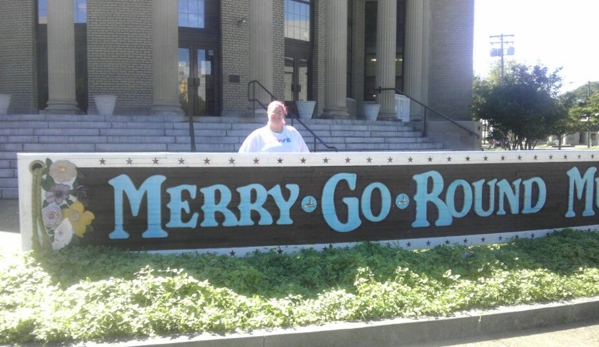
(81, 294)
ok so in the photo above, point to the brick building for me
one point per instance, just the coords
(167, 59)
(327, 51)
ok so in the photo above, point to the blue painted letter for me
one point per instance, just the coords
(423, 197)
(123, 185)
(246, 206)
(284, 205)
(176, 205)
(580, 183)
(328, 204)
(210, 206)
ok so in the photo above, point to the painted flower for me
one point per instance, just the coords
(62, 171)
(78, 218)
(83, 194)
(62, 235)
(58, 193)
(52, 216)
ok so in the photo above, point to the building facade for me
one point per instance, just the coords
(196, 57)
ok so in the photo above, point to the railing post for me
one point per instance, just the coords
(190, 114)
(254, 99)
(424, 122)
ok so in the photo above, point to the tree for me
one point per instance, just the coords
(568, 123)
(586, 107)
(522, 106)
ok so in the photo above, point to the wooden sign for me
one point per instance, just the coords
(236, 203)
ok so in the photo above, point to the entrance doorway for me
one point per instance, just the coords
(198, 90)
(297, 74)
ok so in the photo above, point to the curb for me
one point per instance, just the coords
(397, 332)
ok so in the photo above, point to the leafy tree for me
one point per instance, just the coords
(522, 106)
(586, 107)
(568, 123)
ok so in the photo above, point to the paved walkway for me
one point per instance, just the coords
(533, 325)
(10, 237)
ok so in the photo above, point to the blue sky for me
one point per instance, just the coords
(555, 33)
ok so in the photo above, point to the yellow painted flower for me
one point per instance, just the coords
(63, 170)
(79, 218)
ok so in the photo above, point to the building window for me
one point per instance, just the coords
(80, 11)
(192, 14)
(297, 19)
(42, 11)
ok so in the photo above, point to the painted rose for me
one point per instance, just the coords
(83, 194)
(52, 216)
(58, 193)
(78, 217)
(63, 171)
(62, 235)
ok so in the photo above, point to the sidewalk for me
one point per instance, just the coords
(572, 323)
(10, 237)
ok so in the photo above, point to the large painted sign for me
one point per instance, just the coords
(235, 203)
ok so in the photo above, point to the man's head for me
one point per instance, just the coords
(276, 116)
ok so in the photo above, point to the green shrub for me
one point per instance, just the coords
(81, 294)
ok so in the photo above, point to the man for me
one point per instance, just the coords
(275, 136)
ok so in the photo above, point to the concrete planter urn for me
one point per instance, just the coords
(305, 109)
(105, 104)
(4, 103)
(371, 111)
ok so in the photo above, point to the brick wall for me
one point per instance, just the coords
(451, 71)
(18, 54)
(120, 52)
(235, 40)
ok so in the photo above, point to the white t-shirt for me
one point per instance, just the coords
(266, 140)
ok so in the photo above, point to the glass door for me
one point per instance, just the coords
(197, 81)
(297, 80)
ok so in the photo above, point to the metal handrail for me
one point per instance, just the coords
(314, 136)
(253, 100)
(397, 91)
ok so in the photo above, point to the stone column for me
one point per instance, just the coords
(335, 59)
(386, 31)
(416, 53)
(61, 58)
(165, 33)
(261, 49)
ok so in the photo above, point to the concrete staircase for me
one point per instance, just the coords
(164, 133)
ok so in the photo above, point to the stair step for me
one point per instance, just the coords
(166, 133)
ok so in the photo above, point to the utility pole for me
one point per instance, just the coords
(501, 52)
